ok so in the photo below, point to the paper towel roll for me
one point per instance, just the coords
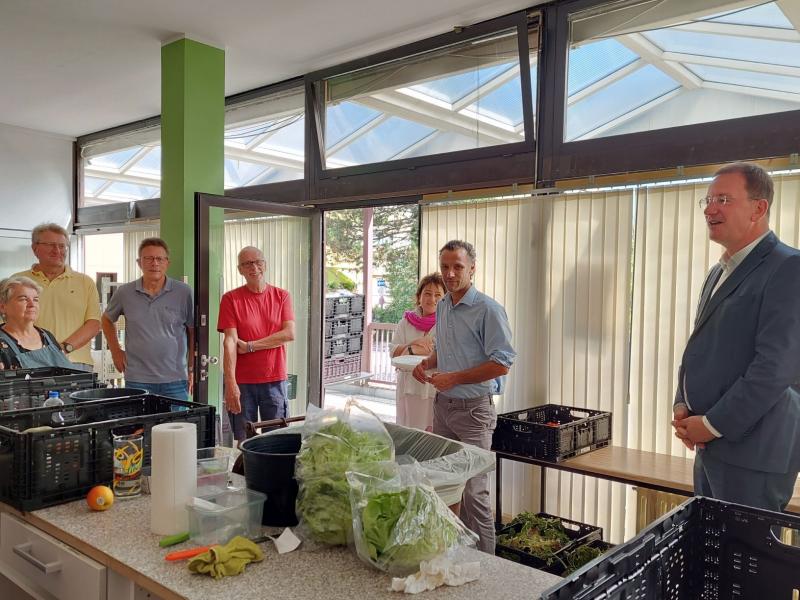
(173, 479)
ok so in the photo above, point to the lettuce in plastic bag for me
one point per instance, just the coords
(400, 521)
(333, 442)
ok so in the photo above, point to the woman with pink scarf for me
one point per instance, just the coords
(414, 336)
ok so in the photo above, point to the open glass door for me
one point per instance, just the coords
(290, 238)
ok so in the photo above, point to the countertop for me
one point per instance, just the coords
(120, 538)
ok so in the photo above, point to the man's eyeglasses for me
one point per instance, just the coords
(154, 259)
(721, 199)
(252, 263)
(54, 245)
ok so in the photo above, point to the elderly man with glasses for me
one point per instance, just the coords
(738, 394)
(257, 321)
(159, 326)
(69, 305)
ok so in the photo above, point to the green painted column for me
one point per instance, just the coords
(192, 160)
(192, 138)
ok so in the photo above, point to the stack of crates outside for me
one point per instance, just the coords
(344, 336)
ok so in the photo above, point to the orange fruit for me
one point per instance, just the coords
(100, 497)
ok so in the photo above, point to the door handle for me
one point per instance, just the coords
(24, 552)
(208, 360)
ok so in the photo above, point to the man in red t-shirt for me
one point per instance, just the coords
(257, 320)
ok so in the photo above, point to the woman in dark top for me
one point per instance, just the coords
(22, 344)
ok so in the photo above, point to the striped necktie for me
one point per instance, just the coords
(708, 290)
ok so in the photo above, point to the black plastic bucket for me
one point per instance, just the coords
(269, 469)
(106, 394)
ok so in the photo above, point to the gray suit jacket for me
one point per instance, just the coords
(742, 362)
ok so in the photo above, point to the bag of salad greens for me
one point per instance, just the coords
(333, 442)
(399, 520)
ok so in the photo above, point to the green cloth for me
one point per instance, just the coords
(230, 559)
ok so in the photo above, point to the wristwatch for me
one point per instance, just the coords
(67, 347)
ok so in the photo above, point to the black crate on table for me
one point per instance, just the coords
(29, 388)
(350, 324)
(703, 549)
(552, 432)
(47, 467)
(578, 533)
(341, 366)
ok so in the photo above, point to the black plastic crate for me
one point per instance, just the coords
(344, 305)
(342, 345)
(338, 367)
(704, 549)
(29, 388)
(50, 466)
(350, 324)
(552, 432)
(578, 533)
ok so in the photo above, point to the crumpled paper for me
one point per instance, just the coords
(436, 572)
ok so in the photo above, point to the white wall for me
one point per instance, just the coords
(35, 186)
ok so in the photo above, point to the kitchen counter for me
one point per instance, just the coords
(120, 538)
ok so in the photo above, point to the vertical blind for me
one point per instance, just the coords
(601, 290)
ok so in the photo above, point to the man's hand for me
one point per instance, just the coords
(232, 398)
(444, 381)
(120, 359)
(419, 371)
(693, 429)
(241, 347)
(190, 380)
(679, 413)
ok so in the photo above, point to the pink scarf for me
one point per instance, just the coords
(424, 324)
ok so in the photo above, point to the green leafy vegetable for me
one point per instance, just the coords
(402, 528)
(539, 536)
(323, 501)
(579, 557)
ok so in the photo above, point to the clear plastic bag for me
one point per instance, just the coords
(333, 442)
(447, 464)
(399, 520)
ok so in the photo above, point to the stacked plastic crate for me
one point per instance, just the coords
(344, 336)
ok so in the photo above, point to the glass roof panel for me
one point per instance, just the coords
(382, 142)
(92, 184)
(131, 191)
(239, 173)
(276, 174)
(149, 164)
(241, 136)
(344, 118)
(725, 46)
(503, 104)
(288, 137)
(589, 63)
(764, 81)
(454, 87)
(616, 99)
(114, 160)
(765, 15)
(442, 141)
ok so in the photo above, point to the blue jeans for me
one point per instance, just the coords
(173, 389)
(260, 402)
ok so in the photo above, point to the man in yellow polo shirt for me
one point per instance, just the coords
(69, 305)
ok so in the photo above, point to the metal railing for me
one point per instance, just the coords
(377, 354)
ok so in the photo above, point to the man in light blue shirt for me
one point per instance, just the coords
(472, 356)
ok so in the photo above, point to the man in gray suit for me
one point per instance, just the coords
(738, 396)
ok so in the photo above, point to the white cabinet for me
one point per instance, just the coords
(38, 562)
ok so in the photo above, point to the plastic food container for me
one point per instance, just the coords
(216, 518)
(212, 474)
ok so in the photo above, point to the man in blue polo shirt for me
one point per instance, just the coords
(472, 356)
(159, 326)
